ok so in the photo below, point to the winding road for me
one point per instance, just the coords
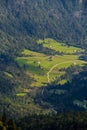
(48, 73)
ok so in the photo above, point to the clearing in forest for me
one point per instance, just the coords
(46, 68)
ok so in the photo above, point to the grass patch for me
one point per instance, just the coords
(21, 94)
(60, 47)
(45, 68)
(8, 74)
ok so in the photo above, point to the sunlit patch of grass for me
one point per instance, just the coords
(21, 94)
(8, 74)
(60, 47)
(63, 81)
(41, 65)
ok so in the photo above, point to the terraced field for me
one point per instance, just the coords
(44, 69)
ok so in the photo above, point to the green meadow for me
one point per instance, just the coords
(43, 68)
(60, 47)
(20, 94)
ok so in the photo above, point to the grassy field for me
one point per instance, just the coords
(45, 69)
(60, 47)
(20, 94)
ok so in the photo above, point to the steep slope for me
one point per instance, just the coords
(22, 22)
(59, 19)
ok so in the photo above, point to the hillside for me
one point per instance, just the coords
(46, 68)
(25, 78)
(60, 121)
(61, 20)
(42, 43)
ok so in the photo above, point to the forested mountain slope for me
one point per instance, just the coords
(22, 24)
(58, 19)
